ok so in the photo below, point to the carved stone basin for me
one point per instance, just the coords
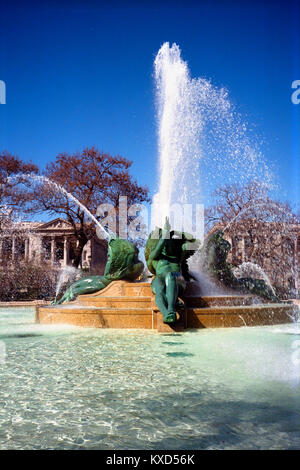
(132, 305)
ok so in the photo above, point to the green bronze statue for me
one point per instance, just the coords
(122, 263)
(214, 254)
(166, 253)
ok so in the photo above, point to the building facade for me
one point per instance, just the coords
(287, 274)
(51, 243)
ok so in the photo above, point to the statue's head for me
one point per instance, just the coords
(172, 247)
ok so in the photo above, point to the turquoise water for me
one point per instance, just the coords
(64, 387)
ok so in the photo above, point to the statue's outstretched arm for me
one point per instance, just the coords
(155, 254)
(157, 250)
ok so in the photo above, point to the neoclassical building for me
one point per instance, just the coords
(50, 243)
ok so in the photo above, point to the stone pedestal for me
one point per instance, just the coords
(132, 305)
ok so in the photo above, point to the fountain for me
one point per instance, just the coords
(67, 274)
(188, 110)
(100, 389)
(249, 269)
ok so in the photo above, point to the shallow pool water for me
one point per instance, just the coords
(64, 387)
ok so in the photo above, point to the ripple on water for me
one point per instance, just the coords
(72, 388)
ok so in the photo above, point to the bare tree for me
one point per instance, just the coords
(14, 195)
(94, 178)
(261, 230)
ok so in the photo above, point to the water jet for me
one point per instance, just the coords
(189, 111)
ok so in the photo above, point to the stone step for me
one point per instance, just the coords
(240, 308)
(97, 317)
(122, 289)
(210, 301)
(246, 315)
(149, 318)
(162, 327)
(115, 302)
(178, 326)
(137, 289)
(145, 301)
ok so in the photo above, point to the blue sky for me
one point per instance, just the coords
(81, 74)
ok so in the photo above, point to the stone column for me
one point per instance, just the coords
(242, 249)
(26, 249)
(296, 262)
(66, 252)
(39, 254)
(52, 250)
(13, 248)
(29, 248)
(229, 258)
